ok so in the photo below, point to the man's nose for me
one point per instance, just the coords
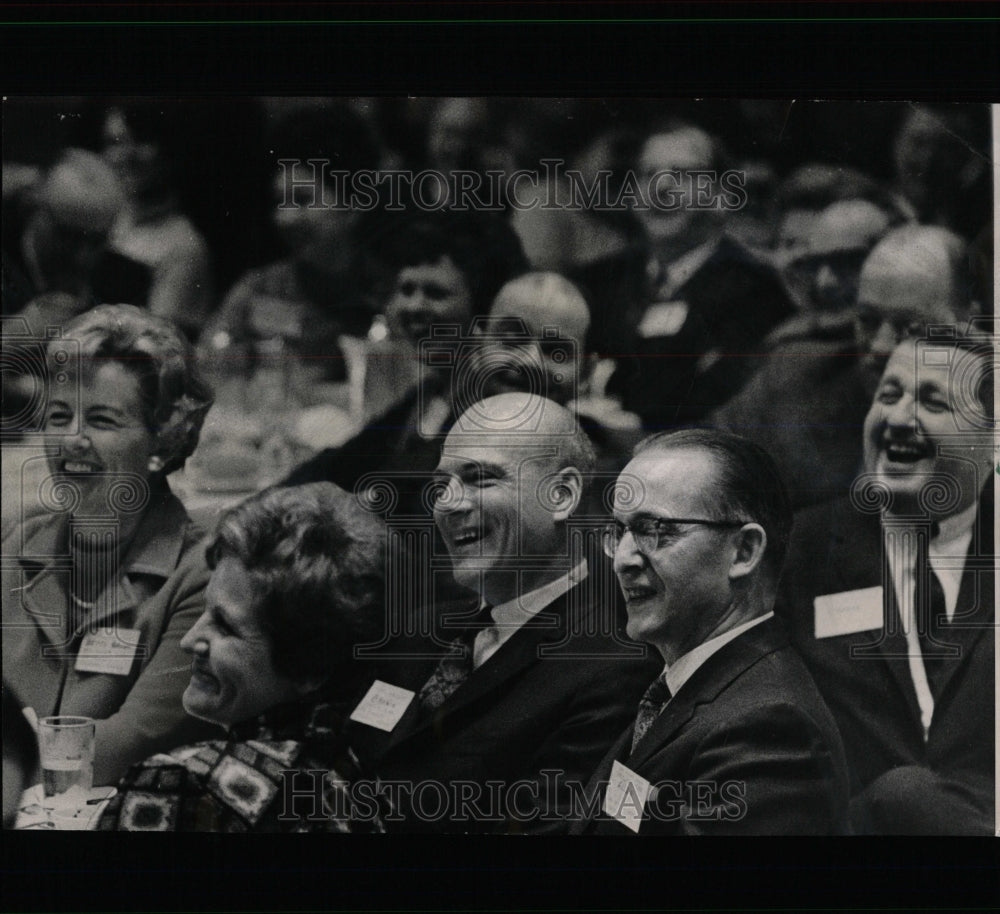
(627, 554)
(883, 340)
(76, 443)
(902, 414)
(193, 641)
(453, 496)
(414, 300)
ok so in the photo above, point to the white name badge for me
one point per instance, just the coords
(663, 319)
(848, 612)
(108, 650)
(626, 795)
(383, 706)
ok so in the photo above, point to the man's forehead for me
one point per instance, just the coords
(847, 226)
(955, 371)
(678, 478)
(492, 450)
(915, 292)
(683, 148)
(442, 270)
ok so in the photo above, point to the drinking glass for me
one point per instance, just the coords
(66, 747)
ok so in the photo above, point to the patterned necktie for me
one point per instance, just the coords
(930, 611)
(455, 666)
(650, 706)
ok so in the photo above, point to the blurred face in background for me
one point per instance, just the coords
(824, 276)
(306, 216)
(139, 164)
(533, 340)
(902, 290)
(683, 150)
(458, 133)
(425, 295)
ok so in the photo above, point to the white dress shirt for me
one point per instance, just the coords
(510, 616)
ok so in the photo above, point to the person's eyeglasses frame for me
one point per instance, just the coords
(611, 538)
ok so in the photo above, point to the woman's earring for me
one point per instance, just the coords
(155, 464)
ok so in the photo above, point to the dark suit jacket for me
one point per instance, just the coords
(551, 699)
(805, 405)
(834, 549)
(734, 298)
(746, 746)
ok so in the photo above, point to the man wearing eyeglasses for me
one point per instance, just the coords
(732, 737)
(807, 403)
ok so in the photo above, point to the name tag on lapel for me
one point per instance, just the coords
(383, 706)
(626, 795)
(108, 650)
(663, 319)
(848, 612)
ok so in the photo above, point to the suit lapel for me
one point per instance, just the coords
(858, 560)
(894, 649)
(153, 554)
(974, 609)
(704, 686)
(516, 655)
(729, 662)
(43, 597)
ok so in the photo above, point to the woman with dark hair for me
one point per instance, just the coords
(96, 589)
(298, 581)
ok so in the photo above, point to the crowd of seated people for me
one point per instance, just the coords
(554, 468)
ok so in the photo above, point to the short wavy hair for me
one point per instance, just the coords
(318, 560)
(175, 397)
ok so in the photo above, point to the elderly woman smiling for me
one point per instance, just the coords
(298, 581)
(97, 587)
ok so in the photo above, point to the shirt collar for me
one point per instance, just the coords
(684, 667)
(953, 530)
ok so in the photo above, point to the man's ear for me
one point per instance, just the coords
(565, 493)
(751, 541)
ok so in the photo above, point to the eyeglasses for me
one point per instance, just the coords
(651, 533)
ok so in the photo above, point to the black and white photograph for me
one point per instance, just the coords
(498, 465)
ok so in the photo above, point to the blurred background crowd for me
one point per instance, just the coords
(309, 315)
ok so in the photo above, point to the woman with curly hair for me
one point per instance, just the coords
(102, 583)
(298, 583)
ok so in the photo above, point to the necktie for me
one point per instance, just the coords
(455, 666)
(930, 609)
(650, 706)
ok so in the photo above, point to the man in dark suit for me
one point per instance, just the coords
(711, 298)
(732, 737)
(889, 598)
(490, 713)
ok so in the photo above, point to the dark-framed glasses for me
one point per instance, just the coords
(652, 533)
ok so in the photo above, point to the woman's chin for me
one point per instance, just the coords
(199, 704)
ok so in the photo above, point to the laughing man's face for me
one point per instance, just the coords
(926, 423)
